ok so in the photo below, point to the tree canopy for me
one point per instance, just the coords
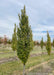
(14, 39)
(48, 45)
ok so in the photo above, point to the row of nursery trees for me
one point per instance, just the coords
(4, 40)
(22, 39)
(37, 43)
(48, 44)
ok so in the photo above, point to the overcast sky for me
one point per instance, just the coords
(40, 12)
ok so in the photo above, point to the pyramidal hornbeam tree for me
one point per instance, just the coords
(48, 45)
(24, 36)
(42, 44)
(14, 39)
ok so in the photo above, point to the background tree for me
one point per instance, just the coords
(9, 41)
(53, 42)
(41, 44)
(24, 36)
(48, 45)
(0, 40)
(14, 39)
(5, 40)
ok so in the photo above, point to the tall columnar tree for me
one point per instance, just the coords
(14, 39)
(53, 42)
(48, 45)
(25, 41)
(42, 44)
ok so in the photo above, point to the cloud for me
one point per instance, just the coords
(7, 26)
(40, 27)
(40, 12)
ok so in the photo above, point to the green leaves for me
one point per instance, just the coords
(24, 36)
(53, 42)
(14, 39)
(42, 43)
(48, 45)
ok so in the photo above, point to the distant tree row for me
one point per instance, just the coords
(5, 40)
(48, 44)
(37, 43)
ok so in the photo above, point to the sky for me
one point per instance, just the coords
(40, 12)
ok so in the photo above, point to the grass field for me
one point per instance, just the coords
(46, 69)
(8, 52)
(37, 49)
(16, 67)
(8, 55)
(5, 48)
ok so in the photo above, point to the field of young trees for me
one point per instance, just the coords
(37, 62)
(22, 56)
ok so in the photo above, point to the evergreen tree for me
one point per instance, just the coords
(53, 42)
(48, 45)
(14, 39)
(24, 35)
(42, 44)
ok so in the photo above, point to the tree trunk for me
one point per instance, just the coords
(42, 51)
(23, 69)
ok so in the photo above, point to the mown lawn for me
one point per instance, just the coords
(16, 67)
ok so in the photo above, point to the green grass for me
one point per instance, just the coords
(8, 55)
(16, 67)
(46, 68)
(5, 49)
(36, 50)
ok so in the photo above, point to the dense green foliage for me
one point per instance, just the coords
(14, 39)
(9, 41)
(41, 44)
(53, 42)
(48, 45)
(24, 35)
